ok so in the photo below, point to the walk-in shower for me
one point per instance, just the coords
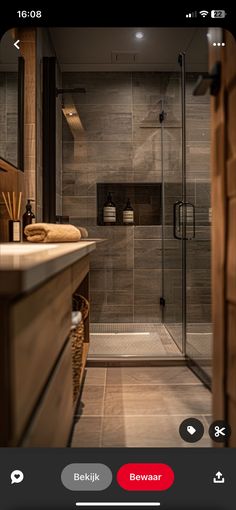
(143, 135)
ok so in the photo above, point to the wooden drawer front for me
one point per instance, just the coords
(40, 324)
(53, 420)
(78, 272)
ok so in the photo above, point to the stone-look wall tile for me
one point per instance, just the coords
(97, 279)
(173, 313)
(199, 313)
(173, 254)
(198, 122)
(199, 254)
(98, 297)
(118, 280)
(103, 123)
(147, 281)
(119, 298)
(93, 152)
(198, 160)
(147, 254)
(103, 88)
(80, 209)
(148, 232)
(117, 253)
(146, 88)
(106, 313)
(150, 313)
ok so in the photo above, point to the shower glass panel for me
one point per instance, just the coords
(172, 182)
(198, 247)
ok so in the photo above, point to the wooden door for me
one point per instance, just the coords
(223, 150)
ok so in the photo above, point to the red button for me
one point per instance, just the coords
(145, 477)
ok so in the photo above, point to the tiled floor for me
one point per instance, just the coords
(139, 407)
(131, 339)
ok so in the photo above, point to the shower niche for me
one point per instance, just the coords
(145, 199)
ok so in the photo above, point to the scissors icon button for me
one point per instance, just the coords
(219, 431)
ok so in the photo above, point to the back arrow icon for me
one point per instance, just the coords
(16, 44)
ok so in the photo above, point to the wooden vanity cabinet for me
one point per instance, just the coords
(37, 394)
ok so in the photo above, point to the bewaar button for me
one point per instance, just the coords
(86, 477)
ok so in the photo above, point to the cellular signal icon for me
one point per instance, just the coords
(191, 14)
(203, 13)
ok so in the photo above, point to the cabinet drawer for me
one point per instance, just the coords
(53, 419)
(39, 326)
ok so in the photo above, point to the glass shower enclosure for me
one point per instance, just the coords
(187, 225)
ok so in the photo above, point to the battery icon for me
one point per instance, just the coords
(218, 14)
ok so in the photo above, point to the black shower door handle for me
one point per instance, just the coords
(176, 222)
(181, 222)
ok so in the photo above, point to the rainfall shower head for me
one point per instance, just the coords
(76, 90)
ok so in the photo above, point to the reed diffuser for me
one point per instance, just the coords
(13, 206)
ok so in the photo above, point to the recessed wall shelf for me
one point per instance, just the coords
(145, 199)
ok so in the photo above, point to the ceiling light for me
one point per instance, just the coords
(139, 35)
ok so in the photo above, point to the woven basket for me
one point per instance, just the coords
(77, 340)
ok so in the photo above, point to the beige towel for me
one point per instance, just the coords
(83, 231)
(51, 233)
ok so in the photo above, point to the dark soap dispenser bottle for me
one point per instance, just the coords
(128, 214)
(109, 211)
(28, 217)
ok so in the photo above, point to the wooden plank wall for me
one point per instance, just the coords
(230, 295)
(218, 195)
(224, 237)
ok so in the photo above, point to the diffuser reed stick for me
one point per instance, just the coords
(13, 207)
(19, 206)
(6, 204)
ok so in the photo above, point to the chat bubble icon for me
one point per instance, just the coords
(17, 476)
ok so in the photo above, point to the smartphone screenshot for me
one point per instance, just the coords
(117, 259)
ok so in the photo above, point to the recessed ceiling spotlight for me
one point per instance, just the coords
(139, 35)
(71, 114)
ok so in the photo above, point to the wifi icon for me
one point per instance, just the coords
(204, 13)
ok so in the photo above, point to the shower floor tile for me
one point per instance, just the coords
(131, 340)
(140, 407)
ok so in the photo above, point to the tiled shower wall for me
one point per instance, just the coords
(118, 140)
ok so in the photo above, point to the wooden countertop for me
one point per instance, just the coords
(24, 266)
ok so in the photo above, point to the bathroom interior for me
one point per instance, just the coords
(93, 119)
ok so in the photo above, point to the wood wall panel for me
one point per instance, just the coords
(224, 238)
(231, 251)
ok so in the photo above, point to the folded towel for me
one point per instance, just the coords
(83, 231)
(51, 233)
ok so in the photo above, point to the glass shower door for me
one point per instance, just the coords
(172, 193)
(198, 247)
